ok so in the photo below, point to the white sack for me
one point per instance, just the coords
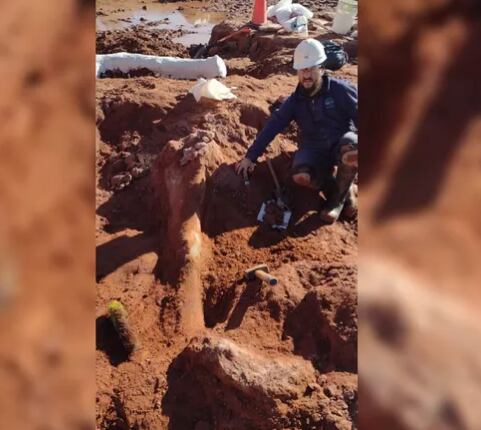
(211, 89)
(293, 17)
(296, 25)
(283, 14)
(272, 10)
(299, 10)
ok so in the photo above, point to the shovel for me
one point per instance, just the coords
(280, 201)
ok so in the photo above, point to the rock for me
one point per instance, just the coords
(144, 7)
(200, 145)
(314, 387)
(120, 181)
(311, 388)
(137, 172)
(189, 154)
(329, 390)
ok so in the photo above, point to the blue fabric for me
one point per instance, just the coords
(311, 158)
(322, 119)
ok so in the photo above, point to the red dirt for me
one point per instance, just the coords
(173, 245)
(140, 40)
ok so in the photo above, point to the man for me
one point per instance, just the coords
(325, 109)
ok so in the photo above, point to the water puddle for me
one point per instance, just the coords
(191, 17)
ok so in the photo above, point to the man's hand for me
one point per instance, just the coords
(244, 167)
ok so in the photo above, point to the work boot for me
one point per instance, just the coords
(338, 193)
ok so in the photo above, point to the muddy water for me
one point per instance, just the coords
(192, 17)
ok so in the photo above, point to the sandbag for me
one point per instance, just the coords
(176, 68)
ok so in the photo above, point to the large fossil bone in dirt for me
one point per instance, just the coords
(179, 192)
(177, 68)
(213, 377)
(419, 353)
(282, 378)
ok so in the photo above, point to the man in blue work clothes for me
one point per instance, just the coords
(325, 109)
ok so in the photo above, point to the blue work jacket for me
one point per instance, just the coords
(322, 119)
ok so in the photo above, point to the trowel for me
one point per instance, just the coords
(280, 201)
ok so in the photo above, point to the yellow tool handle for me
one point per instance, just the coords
(263, 276)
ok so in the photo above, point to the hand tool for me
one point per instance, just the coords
(261, 271)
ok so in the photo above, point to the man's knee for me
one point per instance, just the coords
(302, 178)
(348, 149)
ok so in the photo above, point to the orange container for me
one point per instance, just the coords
(259, 12)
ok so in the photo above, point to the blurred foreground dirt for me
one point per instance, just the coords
(46, 215)
(420, 221)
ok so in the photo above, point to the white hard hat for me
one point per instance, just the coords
(309, 53)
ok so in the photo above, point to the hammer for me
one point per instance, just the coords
(261, 272)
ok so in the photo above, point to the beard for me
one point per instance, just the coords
(310, 87)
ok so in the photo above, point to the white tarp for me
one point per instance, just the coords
(211, 89)
(176, 68)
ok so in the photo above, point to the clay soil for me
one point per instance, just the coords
(174, 239)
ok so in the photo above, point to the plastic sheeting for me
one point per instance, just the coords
(176, 68)
(211, 89)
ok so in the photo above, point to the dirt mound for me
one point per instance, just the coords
(213, 379)
(269, 52)
(324, 326)
(184, 235)
(140, 40)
